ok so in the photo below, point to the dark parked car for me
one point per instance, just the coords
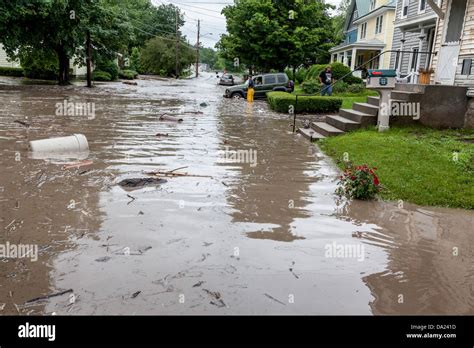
(227, 80)
(263, 84)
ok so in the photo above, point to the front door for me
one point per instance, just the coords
(449, 50)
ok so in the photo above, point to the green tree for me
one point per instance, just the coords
(208, 56)
(273, 34)
(159, 56)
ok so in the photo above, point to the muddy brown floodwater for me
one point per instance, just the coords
(262, 237)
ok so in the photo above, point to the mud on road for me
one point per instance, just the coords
(257, 236)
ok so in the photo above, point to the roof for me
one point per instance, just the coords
(362, 7)
(375, 43)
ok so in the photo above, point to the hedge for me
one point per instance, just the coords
(127, 74)
(99, 75)
(281, 102)
(5, 71)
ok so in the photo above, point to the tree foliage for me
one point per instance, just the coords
(273, 34)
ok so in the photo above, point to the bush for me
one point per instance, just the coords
(101, 76)
(300, 75)
(5, 71)
(281, 102)
(356, 88)
(39, 64)
(109, 67)
(340, 87)
(128, 74)
(358, 183)
(289, 73)
(338, 71)
(311, 86)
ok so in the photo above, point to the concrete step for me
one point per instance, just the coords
(409, 87)
(310, 134)
(358, 116)
(342, 123)
(366, 108)
(406, 96)
(326, 129)
(375, 101)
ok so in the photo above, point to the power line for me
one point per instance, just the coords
(205, 14)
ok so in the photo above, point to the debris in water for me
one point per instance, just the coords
(217, 296)
(274, 299)
(198, 284)
(204, 104)
(77, 164)
(23, 123)
(132, 199)
(161, 134)
(135, 294)
(144, 249)
(141, 182)
(130, 83)
(103, 259)
(166, 117)
(40, 298)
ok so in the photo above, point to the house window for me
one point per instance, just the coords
(414, 59)
(378, 25)
(372, 4)
(422, 7)
(363, 30)
(405, 4)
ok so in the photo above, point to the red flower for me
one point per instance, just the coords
(376, 180)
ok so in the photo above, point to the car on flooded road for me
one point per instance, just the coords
(227, 80)
(262, 84)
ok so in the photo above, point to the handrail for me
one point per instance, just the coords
(350, 73)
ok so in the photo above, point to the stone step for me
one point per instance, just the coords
(358, 116)
(410, 87)
(375, 101)
(406, 96)
(366, 108)
(326, 129)
(310, 134)
(342, 123)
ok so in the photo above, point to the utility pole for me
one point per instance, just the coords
(197, 48)
(89, 60)
(177, 44)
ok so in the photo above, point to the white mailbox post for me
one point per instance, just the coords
(383, 81)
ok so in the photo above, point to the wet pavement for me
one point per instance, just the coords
(264, 235)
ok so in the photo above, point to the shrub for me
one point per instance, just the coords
(109, 67)
(39, 64)
(127, 74)
(135, 60)
(311, 86)
(281, 102)
(360, 182)
(340, 87)
(300, 75)
(289, 72)
(338, 71)
(5, 71)
(356, 88)
(101, 76)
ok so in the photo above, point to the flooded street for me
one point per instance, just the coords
(260, 237)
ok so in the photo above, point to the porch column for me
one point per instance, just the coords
(402, 47)
(421, 38)
(345, 58)
(354, 58)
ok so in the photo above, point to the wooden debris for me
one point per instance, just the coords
(77, 164)
(23, 123)
(40, 298)
(130, 83)
(166, 117)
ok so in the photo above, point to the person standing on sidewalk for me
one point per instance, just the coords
(250, 90)
(326, 80)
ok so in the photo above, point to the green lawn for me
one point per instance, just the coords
(415, 164)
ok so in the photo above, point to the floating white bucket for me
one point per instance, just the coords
(73, 143)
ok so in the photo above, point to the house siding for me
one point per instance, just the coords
(4, 62)
(467, 44)
(411, 38)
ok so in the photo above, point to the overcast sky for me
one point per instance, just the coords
(208, 11)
